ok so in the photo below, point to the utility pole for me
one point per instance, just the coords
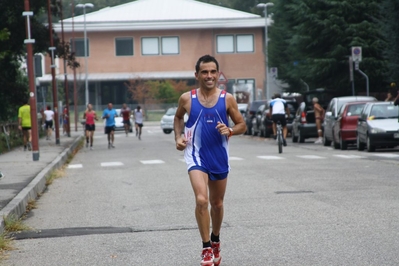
(53, 80)
(29, 61)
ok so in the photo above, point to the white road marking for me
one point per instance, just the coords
(386, 155)
(152, 162)
(111, 164)
(349, 156)
(270, 157)
(75, 166)
(311, 157)
(235, 159)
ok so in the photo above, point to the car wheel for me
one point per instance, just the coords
(359, 144)
(343, 144)
(336, 144)
(294, 138)
(300, 137)
(370, 147)
(167, 131)
(326, 142)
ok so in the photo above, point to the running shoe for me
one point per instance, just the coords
(109, 145)
(207, 257)
(25, 148)
(217, 259)
(91, 148)
(284, 142)
(29, 146)
(319, 141)
(112, 145)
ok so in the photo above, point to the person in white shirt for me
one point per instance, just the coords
(138, 120)
(49, 116)
(278, 111)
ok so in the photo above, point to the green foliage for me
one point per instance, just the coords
(312, 40)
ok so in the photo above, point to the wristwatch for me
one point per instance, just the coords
(231, 132)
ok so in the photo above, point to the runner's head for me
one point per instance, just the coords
(110, 106)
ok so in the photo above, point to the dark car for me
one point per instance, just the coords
(303, 124)
(331, 115)
(378, 126)
(250, 114)
(344, 128)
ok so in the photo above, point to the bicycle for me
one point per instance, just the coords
(279, 137)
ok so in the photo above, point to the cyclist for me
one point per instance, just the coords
(278, 110)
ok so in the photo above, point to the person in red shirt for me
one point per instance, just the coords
(90, 115)
(125, 112)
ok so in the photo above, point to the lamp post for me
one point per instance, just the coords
(264, 6)
(84, 6)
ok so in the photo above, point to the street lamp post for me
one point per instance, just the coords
(264, 6)
(84, 6)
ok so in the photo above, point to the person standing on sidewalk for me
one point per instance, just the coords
(48, 116)
(318, 115)
(138, 120)
(206, 144)
(25, 124)
(109, 115)
(125, 112)
(90, 126)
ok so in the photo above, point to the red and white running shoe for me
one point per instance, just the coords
(217, 259)
(207, 257)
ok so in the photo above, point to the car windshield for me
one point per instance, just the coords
(384, 111)
(171, 111)
(355, 109)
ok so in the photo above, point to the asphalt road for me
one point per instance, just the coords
(133, 205)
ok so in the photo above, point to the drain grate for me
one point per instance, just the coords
(294, 192)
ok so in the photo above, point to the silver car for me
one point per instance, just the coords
(378, 126)
(168, 118)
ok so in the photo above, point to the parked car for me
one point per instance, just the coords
(344, 128)
(303, 124)
(258, 127)
(250, 114)
(331, 115)
(167, 120)
(119, 122)
(242, 107)
(378, 126)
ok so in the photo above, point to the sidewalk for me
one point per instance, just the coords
(24, 178)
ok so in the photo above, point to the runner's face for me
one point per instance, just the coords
(208, 75)
(110, 106)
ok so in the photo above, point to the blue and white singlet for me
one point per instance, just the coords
(206, 147)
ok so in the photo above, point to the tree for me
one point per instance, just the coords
(13, 84)
(317, 38)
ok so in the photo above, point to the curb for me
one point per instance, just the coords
(17, 205)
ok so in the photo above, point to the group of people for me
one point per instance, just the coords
(109, 115)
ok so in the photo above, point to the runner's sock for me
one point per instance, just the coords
(214, 238)
(206, 244)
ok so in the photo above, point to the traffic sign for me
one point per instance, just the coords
(357, 54)
(222, 78)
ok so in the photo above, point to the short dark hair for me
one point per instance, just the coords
(277, 95)
(206, 59)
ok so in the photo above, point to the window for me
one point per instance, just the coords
(124, 46)
(169, 45)
(235, 43)
(80, 47)
(225, 44)
(150, 46)
(245, 43)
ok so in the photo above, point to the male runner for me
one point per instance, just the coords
(25, 124)
(109, 114)
(138, 120)
(125, 112)
(205, 143)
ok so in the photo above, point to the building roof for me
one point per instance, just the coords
(124, 76)
(163, 14)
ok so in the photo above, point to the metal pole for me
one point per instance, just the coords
(267, 57)
(75, 93)
(53, 80)
(85, 46)
(367, 80)
(33, 112)
(66, 90)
